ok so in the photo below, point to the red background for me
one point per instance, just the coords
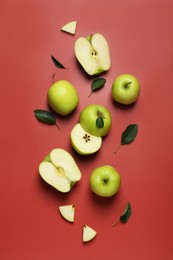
(140, 37)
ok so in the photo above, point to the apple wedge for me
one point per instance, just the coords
(60, 170)
(88, 233)
(68, 212)
(83, 142)
(69, 27)
(93, 54)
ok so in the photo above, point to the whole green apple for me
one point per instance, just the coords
(125, 89)
(105, 181)
(62, 97)
(96, 120)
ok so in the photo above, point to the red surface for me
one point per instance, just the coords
(140, 35)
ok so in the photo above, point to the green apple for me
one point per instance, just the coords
(69, 27)
(105, 181)
(125, 89)
(62, 97)
(67, 212)
(88, 233)
(83, 142)
(60, 170)
(93, 54)
(96, 120)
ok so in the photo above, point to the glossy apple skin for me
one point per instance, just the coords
(62, 97)
(125, 89)
(105, 181)
(88, 118)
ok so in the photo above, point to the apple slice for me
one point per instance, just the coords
(68, 212)
(83, 142)
(69, 27)
(93, 53)
(88, 233)
(60, 170)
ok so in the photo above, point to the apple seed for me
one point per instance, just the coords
(86, 137)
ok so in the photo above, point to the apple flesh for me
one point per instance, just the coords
(125, 89)
(60, 170)
(67, 212)
(105, 181)
(89, 116)
(69, 27)
(62, 97)
(88, 233)
(83, 142)
(93, 53)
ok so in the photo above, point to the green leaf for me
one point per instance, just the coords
(125, 216)
(100, 122)
(57, 63)
(45, 116)
(127, 213)
(97, 84)
(129, 134)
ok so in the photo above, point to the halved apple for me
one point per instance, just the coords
(68, 212)
(83, 142)
(88, 233)
(60, 170)
(93, 53)
(69, 27)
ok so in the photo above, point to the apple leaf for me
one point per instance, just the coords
(127, 213)
(97, 84)
(99, 122)
(128, 135)
(125, 216)
(57, 63)
(46, 117)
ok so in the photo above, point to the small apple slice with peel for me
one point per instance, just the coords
(60, 170)
(93, 54)
(69, 27)
(83, 142)
(68, 212)
(88, 233)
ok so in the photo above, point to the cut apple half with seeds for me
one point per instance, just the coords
(88, 233)
(60, 170)
(93, 53)
(83, 142)
(69, 27)
(68, 212)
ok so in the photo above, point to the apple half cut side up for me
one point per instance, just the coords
(93, 53)
(83, 142)
(60, 170)
(88, 233)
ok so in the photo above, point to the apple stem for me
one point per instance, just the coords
(115, 223)
(58, 127)
(126, 86)
(117, 148)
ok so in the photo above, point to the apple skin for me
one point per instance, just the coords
(125, 89)
(105, 181)
(62, 97)
(88, 117)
